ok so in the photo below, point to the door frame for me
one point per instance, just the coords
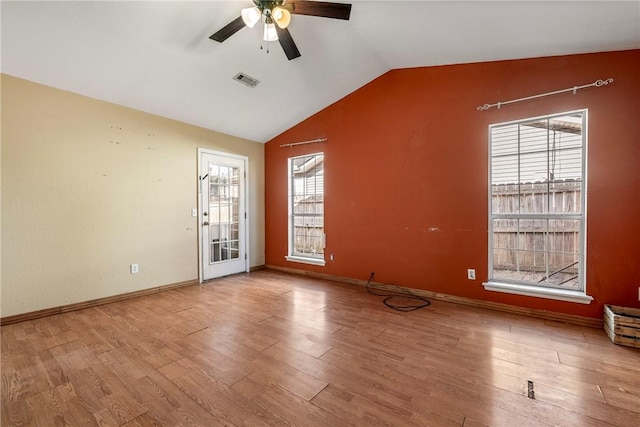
(200, 217)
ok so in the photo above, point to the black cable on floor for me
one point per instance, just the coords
(400, 293)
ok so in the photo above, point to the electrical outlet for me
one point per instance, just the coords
(134, 268)
(331, 257)
(471, 274)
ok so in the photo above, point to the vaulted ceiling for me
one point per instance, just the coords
(157, 57)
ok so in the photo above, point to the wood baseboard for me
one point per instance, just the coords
(505, 308)
(91, 303)
(256, 268)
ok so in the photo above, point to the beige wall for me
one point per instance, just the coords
(89, 188)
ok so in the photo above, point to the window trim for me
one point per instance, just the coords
(306, 260)
(523, 288)
(291, 257)
(538, 291)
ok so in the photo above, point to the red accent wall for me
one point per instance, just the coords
(406, 174)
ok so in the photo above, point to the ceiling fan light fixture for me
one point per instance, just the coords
(281, 16)
(250, 16)
(269, 32)
(275, 17)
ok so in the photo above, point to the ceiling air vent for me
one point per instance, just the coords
(247, 80)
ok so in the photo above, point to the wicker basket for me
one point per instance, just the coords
(622, 325)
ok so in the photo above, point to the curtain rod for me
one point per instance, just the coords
(291, 144)
(597, 83)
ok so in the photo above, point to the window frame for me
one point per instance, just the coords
(291, 255)
(527, 288)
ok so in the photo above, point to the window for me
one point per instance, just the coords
(306, 209)
(537, 207)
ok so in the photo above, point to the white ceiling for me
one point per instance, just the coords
(157, 57)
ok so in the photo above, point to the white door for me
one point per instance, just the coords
(222, 214)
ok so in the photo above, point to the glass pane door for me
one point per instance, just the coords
(224, 215)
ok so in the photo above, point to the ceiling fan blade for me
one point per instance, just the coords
(228, 30)
(321, 8)
(287, 43)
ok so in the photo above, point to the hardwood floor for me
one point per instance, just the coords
(271, 349)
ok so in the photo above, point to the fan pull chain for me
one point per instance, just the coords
(261, 30)
(262, 38)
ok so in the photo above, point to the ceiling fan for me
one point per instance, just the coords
(276, 16)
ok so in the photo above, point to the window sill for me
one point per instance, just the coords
(536, 291)
(303, 260)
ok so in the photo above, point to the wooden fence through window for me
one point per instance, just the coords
(524, 244)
